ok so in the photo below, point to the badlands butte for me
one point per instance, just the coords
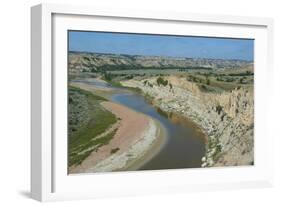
(215, 94)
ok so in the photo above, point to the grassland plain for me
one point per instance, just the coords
(89, 123)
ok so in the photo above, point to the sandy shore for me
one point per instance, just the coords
(90, 85)
(135, 137)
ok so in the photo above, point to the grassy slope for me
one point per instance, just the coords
(82, 138)
(214, 85)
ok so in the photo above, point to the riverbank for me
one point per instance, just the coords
(134, 138)
(90, 126)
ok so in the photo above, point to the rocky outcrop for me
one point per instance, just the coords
(227, 118)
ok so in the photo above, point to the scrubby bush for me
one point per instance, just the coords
(161, 81)
(171, 86)
(114, 150)
(129, 77)
(203, 87)
(219, 109)
(242, 80)
(107, 76)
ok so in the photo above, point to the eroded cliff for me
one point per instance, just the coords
(226, 117)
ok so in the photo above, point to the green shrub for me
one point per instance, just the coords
(161, 81)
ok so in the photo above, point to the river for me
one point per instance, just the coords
(185, 144)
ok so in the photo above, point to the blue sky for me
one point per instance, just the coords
(161, 45)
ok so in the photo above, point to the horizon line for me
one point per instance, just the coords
(229, 59)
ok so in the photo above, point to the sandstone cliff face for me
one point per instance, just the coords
(227, 118)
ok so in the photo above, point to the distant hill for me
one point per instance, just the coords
(98, 62)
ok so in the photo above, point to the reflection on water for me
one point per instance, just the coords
(185, 146)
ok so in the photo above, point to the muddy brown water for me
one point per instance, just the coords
(185, 145)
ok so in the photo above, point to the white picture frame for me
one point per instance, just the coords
(49, 181)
